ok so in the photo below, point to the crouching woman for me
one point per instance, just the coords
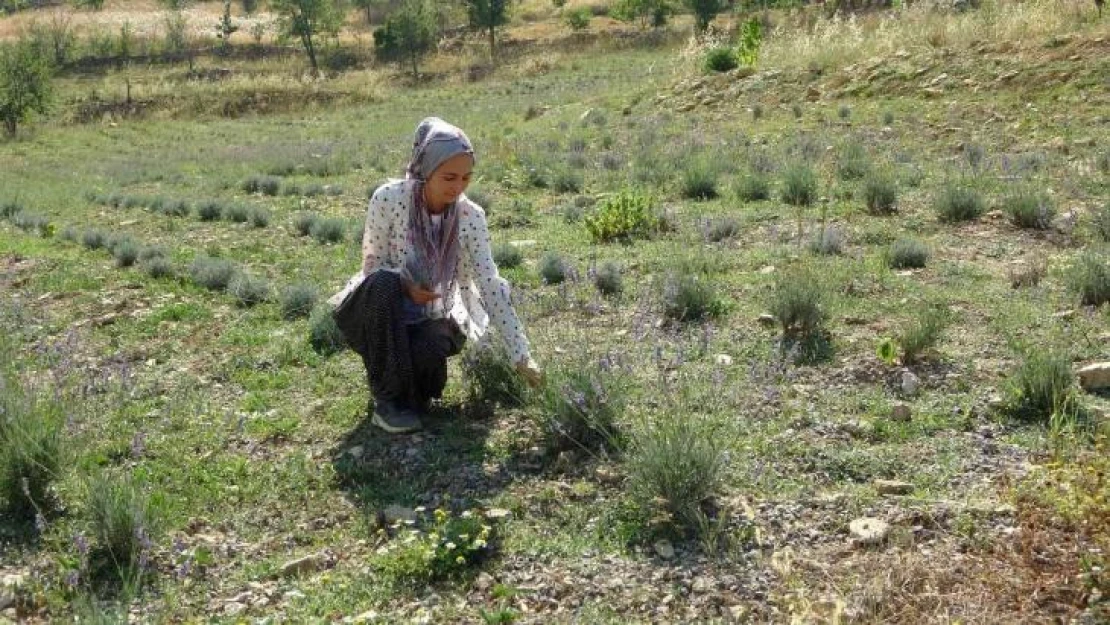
(428, 282)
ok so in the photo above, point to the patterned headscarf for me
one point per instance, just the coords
(436, 250)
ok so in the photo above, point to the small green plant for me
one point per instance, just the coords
(33, 222)
(958, 201)
(757, 112)
(796, 110)
(975, 154)
(1042, 385)
(490, 377)
(507, 256)
(248, 290)
(721, 59)
(324, 335)
(888, 118)
(578, 19)
(689, 295)
(552, 268)
(699, 180)
(567, 181)
(844, 112)
(608, 279)
(69, 233)
(798, 303)
(722, 229)
(210, 210)
(176, 208)
(1100, 222)
(751, 39)
(1029, 209)
(328, 230)
(1089, 277)
(452, 547)
(799, 185)
(887, 351)
(753, 186)
(907, 254)
(93, 239)
(237, 213)
(9, 208)
(126, 253)
(297, 301)
(33, 448)
(852, 162)
(214, 274)
(266, 185)
(304, 222)
(259, 217)
(580, 405)
(625, 216)
(122, 523)
(828, 241)
(922, 333)
(676, 462)
(157, 267)
(153, 251)
(880, 194)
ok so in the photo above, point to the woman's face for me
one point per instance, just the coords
(448, 182)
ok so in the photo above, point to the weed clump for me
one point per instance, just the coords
(491, 377)
(608, 279)
(721, 59)
(33, 448)
(126, 253)
(580, 406)
(553, 268)
(507, 256)
(93, 239)
(304, 222)
(880, 194)
(907, 254)
(123, 525)
(237, 213)
(328, 230)
(1089, 277)
(248, 290)
(297, 301)
(753, 186)
(210, 210)
(687, 294)
(699, 180)
(324, 335)
(266, 185)
(1029, 209)
(626, 216)
(1042, 385)
(798, 303)
(921, 334)
(958, 202)
(799, 185)
(452, 547)
(214, 274)
(260, 217)
(852, 162)
(721, 229)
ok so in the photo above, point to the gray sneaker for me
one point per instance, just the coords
(393, 418)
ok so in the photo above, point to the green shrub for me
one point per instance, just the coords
(126, 253)
(1030, 209)
(699, 180)
(92, 239)
(689, 295)
(757, 112)
(798, 303)
(844, 112)
(1041, 385)
(828, 241)
(210, 210)
(880, 194)
(888, 118)
(907, 254)
(608, 279)
(1100, 222)
(852, 162)
(132, 201)
(33, 448)
(9, 208)
(1089, 277)
(157, 204)
(304, 222)
(266, 185)
(297, 301)
(176, 208)
(677, 462)
(507, 256)
(324, 335)
(958, 201)
(921, 334)
(552, 268)
(69, 233)
(212, 273)
(237, 213)
(719, 230)
(32, 222)
(580, 405)
(157, 267)
(753, 186)
(975, 155)
(567, 181)
(248, 290)
(721, 59)
(328, 230)
(259, 217)
(799, 185)
(624, 216)
(796, 109)
(578, 19)
(490, 377)
(153, 251)
(449, 549)
(122, 523)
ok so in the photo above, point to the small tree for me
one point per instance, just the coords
(704, 11)
(488, 15)
(648, 12)
(306, 20)
(24, 84)
(408, 34)
(225, 28)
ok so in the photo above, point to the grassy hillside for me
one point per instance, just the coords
(928, 189)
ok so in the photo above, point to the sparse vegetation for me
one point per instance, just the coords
(958, 202)
(907, 254)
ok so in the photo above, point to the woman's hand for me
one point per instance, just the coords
(419, 294)
(530, 371)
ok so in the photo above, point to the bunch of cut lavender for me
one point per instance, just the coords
(418, 271)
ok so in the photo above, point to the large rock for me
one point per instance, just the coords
(869, 531)
(1095, 376)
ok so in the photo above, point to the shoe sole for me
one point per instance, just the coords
(392, 429)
